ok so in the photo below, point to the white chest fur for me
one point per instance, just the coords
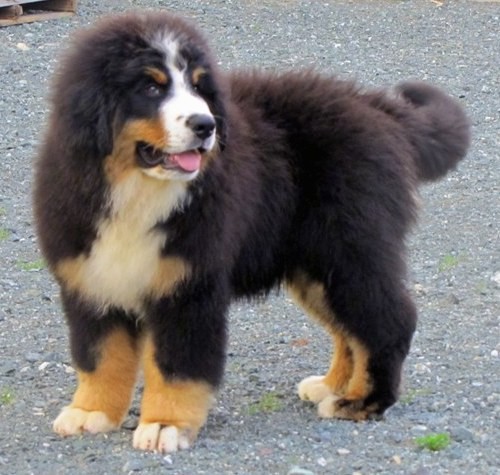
(125, 257)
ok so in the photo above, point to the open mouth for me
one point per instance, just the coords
(188, 161)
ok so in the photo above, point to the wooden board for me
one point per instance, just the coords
(14, 12)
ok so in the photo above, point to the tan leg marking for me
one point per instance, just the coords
(103, 396)
(341, 392)
(341, 368)
(359, 386)
(351, 403)
(172, 413)
(334, 384)
(310, 295)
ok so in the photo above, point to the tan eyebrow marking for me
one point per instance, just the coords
(159, 76)
(198, 73)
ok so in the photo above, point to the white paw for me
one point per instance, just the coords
(326, 407)
(73, 421)
(154, 437)
(313, 389)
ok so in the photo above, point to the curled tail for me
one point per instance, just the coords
(437, 127)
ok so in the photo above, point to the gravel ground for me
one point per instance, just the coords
(259, 426)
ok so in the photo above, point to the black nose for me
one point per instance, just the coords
(202, 125)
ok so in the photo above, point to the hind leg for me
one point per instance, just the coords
(312, 297)
(316, 388)
(349, 379)
(364, 373)
(343, 390)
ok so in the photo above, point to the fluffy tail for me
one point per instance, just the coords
(438, 129)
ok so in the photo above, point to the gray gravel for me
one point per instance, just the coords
(452, 375)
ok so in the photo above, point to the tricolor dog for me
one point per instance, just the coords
(166, 188)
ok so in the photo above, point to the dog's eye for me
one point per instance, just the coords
(203, 86)
(154, 90)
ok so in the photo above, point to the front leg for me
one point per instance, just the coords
(106, 351)
(172, 410)
(183, 360)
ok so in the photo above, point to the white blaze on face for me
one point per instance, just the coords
(181, 104)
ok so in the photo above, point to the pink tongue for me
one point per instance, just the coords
(189, 161)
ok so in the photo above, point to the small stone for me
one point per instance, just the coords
(396, 459)
(421, 368)
(343, 451)
(322, 462)
(134, 465)
(422, 471)
(461, 434)
(32, 357)
(324, 436)
(8, 368)
(419, 428)
(130, 423)
(496, 278)
(494, 353)
(53, 357)
(455, 453)
(420, 289)
(299, 471)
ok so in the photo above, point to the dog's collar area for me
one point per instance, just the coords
(187, 161)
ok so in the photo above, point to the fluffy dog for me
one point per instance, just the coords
(166, 188)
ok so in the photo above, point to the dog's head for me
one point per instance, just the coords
(141, 91)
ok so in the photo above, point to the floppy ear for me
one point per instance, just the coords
(82, 94)
(87, 112)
